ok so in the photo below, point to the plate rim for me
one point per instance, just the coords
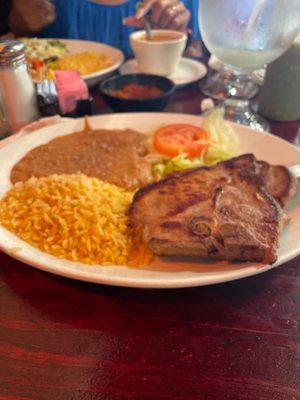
(142, 284)
(139, 282)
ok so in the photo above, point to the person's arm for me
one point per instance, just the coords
(165, 14)
(5, 6)
(30, 16)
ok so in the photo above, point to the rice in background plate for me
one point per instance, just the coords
(85, 63)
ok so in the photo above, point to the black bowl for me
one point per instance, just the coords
(153, 104)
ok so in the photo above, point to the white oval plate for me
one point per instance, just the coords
(180, 272)
(116, 56)
(188, 71)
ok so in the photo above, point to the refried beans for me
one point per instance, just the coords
(115, 156)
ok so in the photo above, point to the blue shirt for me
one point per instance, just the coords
(86, 20)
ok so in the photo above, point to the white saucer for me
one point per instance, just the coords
(188, 71)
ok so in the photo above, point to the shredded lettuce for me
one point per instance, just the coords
(44, 48)
(178, 163)
(224, 144)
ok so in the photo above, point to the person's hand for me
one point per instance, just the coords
(165, 14)
(30, 16)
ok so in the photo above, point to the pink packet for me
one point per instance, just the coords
(70, 88)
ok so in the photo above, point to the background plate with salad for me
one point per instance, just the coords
(94, 61)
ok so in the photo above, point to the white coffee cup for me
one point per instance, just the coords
(161, 54)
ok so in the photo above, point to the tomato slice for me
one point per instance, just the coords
(174, 139)
(37, 63)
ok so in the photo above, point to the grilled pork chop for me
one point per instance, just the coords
(228, 211)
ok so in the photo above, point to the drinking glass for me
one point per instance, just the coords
(246, 35)
(225, 83)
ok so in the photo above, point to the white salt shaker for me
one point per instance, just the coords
(18, 95)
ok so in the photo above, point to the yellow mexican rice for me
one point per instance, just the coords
(74, 217)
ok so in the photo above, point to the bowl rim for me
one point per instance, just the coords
(135, 36)
(169, 92)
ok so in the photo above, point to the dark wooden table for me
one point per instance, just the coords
(61, 339)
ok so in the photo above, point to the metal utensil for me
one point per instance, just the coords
(47, 98)
(147, 26)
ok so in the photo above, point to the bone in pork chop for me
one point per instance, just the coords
(226, 211)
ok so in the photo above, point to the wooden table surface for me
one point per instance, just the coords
(61, 339)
